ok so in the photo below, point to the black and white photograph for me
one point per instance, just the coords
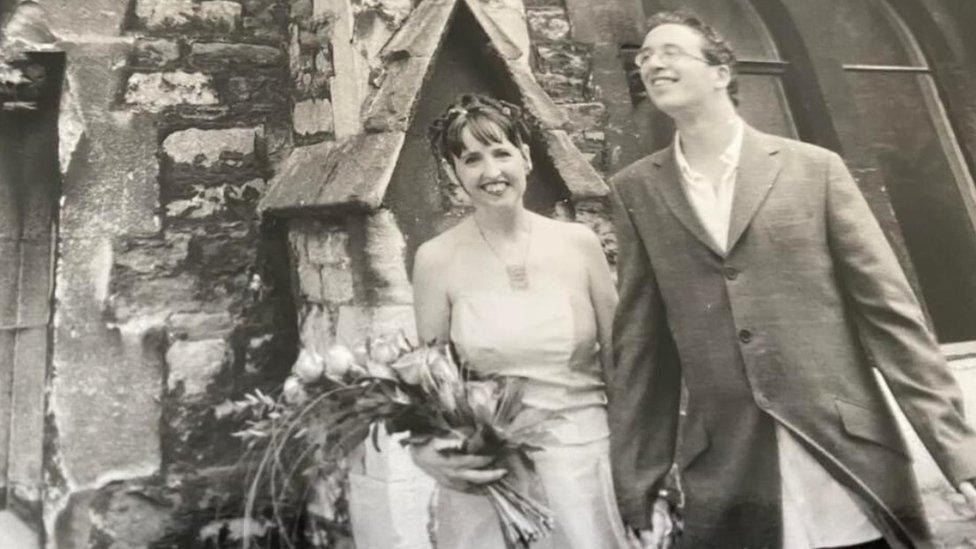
(487, 274)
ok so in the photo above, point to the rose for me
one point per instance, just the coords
(442, 367)
(378, 369)
(294, 391)
(384, 350)
(309, 366)
(339, 362)
(483, 398)
(413, 368)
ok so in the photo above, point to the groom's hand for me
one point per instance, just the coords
(461, 472)
(659, 536)
(969, 491)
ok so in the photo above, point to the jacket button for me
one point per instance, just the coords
(731, 273)
(745, 336)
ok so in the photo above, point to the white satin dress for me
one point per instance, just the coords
(532, 334)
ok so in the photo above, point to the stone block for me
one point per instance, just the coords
(198, 324)
(320, 252)
(385, 259)
(94, 17)
(109, 176)
(203, 202)
(210, 148)
(155, 53)
(228, 55)
(154, 91)
(401, 507)
(193, 365)
(171, 15)
(548, 24)
(132, 518)
(313, 116)
(106, 383)
(329, 246)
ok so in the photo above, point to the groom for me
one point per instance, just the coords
(752, 272)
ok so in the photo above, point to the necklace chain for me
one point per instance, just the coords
(518, 276)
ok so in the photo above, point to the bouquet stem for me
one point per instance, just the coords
(523, 520)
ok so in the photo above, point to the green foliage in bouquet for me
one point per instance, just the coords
(332, 403)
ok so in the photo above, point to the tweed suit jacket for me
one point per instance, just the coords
(785, 326)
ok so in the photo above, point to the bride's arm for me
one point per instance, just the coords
(603, 295)
(432, 310)
(431, 305)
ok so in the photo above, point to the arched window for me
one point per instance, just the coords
(926, 177)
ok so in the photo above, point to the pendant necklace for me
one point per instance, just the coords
(518, 275)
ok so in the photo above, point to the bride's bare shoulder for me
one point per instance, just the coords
(440, 249)
(568, 232)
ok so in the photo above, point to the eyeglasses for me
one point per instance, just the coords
(667, 55)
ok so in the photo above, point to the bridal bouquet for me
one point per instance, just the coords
(332, 403)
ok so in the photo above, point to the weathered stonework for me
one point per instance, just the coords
(182, 15)
(194, 364)
(155, 53)
(154, 91)
(206, 148)
(548, 24)
(313, 116)
(385, 247)
(321, 256)
(207, 54)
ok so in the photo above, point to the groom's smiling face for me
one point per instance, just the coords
(675, 70)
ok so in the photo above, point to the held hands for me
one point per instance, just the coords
(461, 472)
(661, 533)
(968, 490)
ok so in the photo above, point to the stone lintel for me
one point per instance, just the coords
(424, 30)
(506, 47)
(536, 100)
(392, 107)
(580, 177)
(350, 174)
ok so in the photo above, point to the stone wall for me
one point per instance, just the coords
(172, 296)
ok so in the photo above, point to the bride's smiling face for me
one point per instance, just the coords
(492, 170)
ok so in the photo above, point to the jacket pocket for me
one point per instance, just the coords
(879, 428)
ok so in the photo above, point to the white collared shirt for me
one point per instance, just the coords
(712, 200)
(818, 511)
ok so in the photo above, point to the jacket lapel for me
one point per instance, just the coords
(677, 201)
(758, 167)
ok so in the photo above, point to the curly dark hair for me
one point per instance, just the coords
(488, 119)
(715, 48)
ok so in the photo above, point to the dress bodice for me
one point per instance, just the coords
(533, 334)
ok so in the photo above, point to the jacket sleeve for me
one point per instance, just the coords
(893, 330)
(644, 384)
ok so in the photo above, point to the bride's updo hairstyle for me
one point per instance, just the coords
(488, 119)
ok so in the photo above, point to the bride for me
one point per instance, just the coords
(519, 294)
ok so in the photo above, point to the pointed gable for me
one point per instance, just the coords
(353, 173)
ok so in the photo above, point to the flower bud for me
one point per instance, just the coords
(309, 366)
(339, 360)
(384, 350)
(380, 370)
(483, 398)
(294, 391)
(412, 368)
